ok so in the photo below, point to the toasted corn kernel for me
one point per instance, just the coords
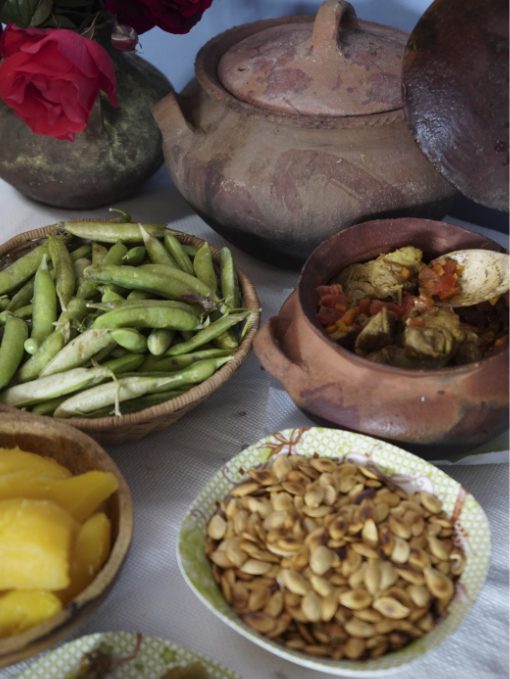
(244, 489)
(281, 626)
(255, 567)
(359, 628)
(354, 648)
(321, 560)
(311, 606)
(414, 577)
(259, 621)
(431, 503)
(274, 605)
(217, 527)
(419, 594)
(221, 559)
(314, 495)
(368, 615)
(388, 575)
(439, 548)
(401, 550)
(372, 576)
(365, 550)
(321, 585)
(440, 585)
(264, 477)
(391, 608)
(294, 582)
(369, 533)
(400, 529)
(355, 599)
(324, 464)
(329, 607)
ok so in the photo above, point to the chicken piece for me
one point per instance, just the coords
(434, 335)
(384, 277)
(377, 332)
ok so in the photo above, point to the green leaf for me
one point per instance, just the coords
(25, 13)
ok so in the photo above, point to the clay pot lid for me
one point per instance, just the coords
(333, 65)
(455, 78)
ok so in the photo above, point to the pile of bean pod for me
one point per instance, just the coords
(104, 318)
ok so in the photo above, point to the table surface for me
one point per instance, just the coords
(167, 469)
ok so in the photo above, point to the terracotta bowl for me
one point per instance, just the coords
(450, 410)
(79, 453)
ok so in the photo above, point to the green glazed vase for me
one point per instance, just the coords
(120, 148)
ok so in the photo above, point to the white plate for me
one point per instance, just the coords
(138, 657)
(406, 470)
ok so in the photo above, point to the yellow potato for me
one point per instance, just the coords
(81, 495)
(89, 554)
(16, 460)
(35, 541)
(22, 609)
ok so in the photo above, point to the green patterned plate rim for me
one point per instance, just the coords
(408, 471)
(136, 656)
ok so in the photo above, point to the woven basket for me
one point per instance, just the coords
(133, 426)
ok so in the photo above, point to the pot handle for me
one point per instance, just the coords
(170, 117)
(269, 352)
(333, 18)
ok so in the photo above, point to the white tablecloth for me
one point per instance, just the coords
(167, 469)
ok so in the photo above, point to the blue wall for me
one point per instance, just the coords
(175, 54)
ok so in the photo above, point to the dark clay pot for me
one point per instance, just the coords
(448, 410)
(293, 129)
(105, 163)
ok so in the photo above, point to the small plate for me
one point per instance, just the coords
(409, 472)
(138, 657)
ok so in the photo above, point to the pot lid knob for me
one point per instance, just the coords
(335, 65)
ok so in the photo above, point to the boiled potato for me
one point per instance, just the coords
(35, 540)
(90, 552)
(21, 609)
(17, 460)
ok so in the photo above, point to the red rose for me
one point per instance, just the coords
(51, 78)
(173, 16)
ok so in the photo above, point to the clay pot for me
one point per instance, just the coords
(294, 129)
(107, 162)
(444, 410)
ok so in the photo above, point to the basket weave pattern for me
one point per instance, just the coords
(134, 426)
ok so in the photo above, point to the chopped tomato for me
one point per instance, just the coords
(440, 280)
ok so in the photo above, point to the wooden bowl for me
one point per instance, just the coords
(447, 410)
(133, 426)
(79, 453)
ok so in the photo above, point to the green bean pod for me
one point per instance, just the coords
(4, 302)
(99, 252)
(179, 254)
(47, 407)
(125, 363)
(130, 339)
(44, 303)
(80, 265)
(227, 341)
(111, 232)
(157, 279)
(78, 351)
(157, 252)
(169, 363)
(203, 266)
(213, 330)
(109, 295)
(135, 255)
(21, 269)
(229, 283)
(31, 369)
(23, 296)
(64, 272)
(150, 314)
(22, 312)
(115, 254)
(83, 251)
(127, 388)
(159, 340)
(11, 348)
(52, 386)
(136, 404)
